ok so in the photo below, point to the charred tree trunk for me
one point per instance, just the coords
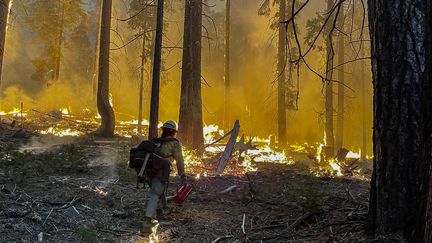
(96, 48)
(104, 107)
(341, 79)
(329, 136)
(227, 120)
(190, 119)
(282, 130)
(141, 86)
(4, 12)
(402, 119)
(154, 105)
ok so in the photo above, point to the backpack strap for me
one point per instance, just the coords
(141, 173)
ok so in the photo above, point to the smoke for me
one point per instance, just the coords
(45, 144)
(253, 73)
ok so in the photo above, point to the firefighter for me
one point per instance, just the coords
(171, 149)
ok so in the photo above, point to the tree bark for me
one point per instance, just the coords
(329, 136)
(282, 130)
(141, 86)
(185, 109)
(96, 48)
(190, 118)
(106, 112)
(227, 120)
(341, 79)
(4, 13)
(402, 119)
(427, 237)
(154, 106)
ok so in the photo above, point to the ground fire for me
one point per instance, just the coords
(215, 121)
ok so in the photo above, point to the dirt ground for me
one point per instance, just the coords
(100, 203)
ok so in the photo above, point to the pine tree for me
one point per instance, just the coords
(105, 109)
(154, 105)
(401, 66)
(190, 118)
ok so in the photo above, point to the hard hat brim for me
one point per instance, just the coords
(168, 128)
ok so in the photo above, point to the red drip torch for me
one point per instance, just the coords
(182, 193)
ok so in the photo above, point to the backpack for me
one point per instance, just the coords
(148, 161)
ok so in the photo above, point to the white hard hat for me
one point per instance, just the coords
(170, 125)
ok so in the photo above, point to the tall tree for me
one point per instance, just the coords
(227, 120)
(141, 85)
(329, 136)
(401, 66)
(98, 9)
(106, 112)
(282, 130)
(341, 80)
(143, 20)
(364, 115)
(154, 105)
(4, 12)
(286, 96)
(56, 73)
(190, 117)
(50, 20)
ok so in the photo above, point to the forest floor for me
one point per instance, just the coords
(83, 192)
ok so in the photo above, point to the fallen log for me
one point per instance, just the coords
(228, 149)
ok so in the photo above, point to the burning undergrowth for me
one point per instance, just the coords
(64, 123)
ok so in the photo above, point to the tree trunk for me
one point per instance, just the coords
(104, 107)
(227, 120)
(427, 237)
(4, 12)
(141, 86)
(185, 109)
(282, 130)
(341, 79)
(154, 105)
(96, 48)
(363, 97)
(190, 119)
(56, 73)
(402, 118)
(329, 86)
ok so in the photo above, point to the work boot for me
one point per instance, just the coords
(147, 226)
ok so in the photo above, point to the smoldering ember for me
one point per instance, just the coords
(215, 121)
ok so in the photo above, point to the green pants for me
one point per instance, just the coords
(157, 197)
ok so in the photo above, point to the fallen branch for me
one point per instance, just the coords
(299, 220)
(229, 189)
(47, 216)
(222, 238)
(70, 204)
